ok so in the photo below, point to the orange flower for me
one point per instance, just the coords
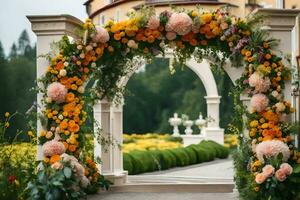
(156, 34)
(193, 42)
(99, 51)
(79, 82)
(265, 45)
(64, 80)
(203, 42)
(110, 49)
(117, 36)
(86, 70)
(150, 39)
(66, 145)
(148, 32)
(59, 65)
(146, 50)
(268, 56)
(73, 127)
(63, 125)
(74, 87)
(72, 148)
(139, 37)
(124, 40)
(54, 159)
(70, 96)
(130, 33)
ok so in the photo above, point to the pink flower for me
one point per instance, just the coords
(268, 170)
(84, 181)
(53, 148)
(57, 92)
(153, 23)
(101, 35)
(171, 35)
(78, 169)
(132, 44)
(280, 175)
(57, 166)
(224, 25)
(260, 178)
(272, 148)
(288, 170)
(180, 23)
(259, 102)
(261, 84)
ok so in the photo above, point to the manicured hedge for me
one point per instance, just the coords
(137, 162)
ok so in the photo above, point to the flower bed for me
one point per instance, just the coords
(137, 162)
(150, 141)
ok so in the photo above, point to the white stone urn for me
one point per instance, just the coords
(188, 124)
(175, 121)
(200, 122)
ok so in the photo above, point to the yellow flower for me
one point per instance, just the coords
(30, 134)
(254, 123)
(6, 124)
(7, 114)
(17, 183)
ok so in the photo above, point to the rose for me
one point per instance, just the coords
(287, 169)
(268, 170)
(260, 178)
(280, 175)
(57, 166)
(171, 35)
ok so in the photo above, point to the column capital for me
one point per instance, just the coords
(279, 19)
(46, 25)
(212, 99)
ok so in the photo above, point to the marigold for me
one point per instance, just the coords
(72, 148)
(59, 65)
(70, 97)
(54, 159)
(63, 125)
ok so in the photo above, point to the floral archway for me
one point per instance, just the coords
(106, 55)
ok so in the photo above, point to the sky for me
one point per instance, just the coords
(13, 16)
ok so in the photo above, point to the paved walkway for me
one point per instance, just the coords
(164, 196)
(214, 171)
(218, 171)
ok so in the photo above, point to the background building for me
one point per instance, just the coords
(102, 10)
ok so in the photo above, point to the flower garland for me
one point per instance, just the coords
(104, 54)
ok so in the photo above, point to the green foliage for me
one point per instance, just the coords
(17, 161)
(17, 78)
(54, 184)
(137, 162)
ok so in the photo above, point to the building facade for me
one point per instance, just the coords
(102, 10)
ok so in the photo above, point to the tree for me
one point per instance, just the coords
(13, 51)
(24, 43)
(2, 55)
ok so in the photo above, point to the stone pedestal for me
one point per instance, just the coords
(192, 139)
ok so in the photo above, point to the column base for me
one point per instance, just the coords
(215, 133)
(117, 178)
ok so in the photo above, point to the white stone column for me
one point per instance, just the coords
(110, 118)
(116, 171)
(48, 29)
(213, 130)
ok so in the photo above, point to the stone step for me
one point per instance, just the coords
(217, 187)
(163, 196)
(177, 179)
